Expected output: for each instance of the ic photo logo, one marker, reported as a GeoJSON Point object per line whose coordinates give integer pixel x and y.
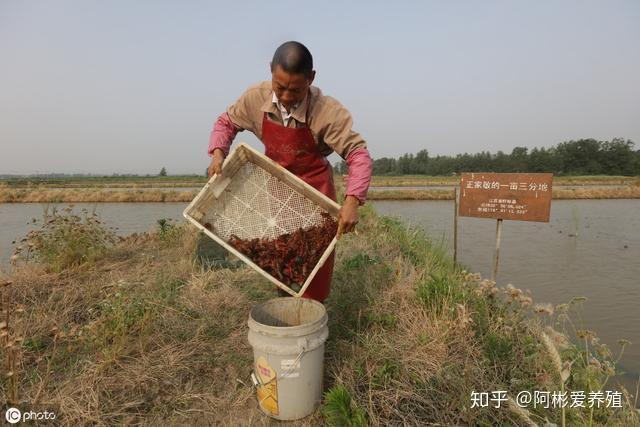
{"type": "Point", "coordinates": [13, 415]}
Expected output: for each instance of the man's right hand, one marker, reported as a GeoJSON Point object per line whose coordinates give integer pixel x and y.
{"type": "Point", "coordinates": [217, 159]}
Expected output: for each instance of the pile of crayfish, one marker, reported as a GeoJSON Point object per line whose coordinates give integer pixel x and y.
{"type": "Point", "coordinates": [289, 257]}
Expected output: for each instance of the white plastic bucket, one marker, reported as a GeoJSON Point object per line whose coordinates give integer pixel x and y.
{"type": "Point", "coordinates": [288, 336]}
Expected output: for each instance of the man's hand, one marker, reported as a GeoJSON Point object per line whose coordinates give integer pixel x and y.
{"type": "Point", "coordinates": [215, 167]}
{"type": "Point", "coordinates": [348, 216]}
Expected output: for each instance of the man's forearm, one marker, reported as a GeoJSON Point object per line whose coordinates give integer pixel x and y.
{"type": "Point", "coordinates": [360, 167]}
{"type": "Point", "coordinates": [222, 135]}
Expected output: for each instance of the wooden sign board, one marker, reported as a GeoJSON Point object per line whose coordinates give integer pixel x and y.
{"type": "Point", "coordinates": [519, 196]}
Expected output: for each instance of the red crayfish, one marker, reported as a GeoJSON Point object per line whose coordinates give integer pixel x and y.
{"type": "Point", "coordinates": [289, 257]}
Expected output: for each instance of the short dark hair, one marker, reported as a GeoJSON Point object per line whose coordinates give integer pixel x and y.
{"type": "Point", "coordinates": [293, 57]}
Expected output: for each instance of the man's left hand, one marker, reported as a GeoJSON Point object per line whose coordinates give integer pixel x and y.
{"type": "Point", "coordinates": [348, 216]}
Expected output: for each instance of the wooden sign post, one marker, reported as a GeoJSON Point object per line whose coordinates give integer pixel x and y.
{"type": "Point", "coordinates": [455, 225]}
{"type": "Point", "coordinates": [514, 196]}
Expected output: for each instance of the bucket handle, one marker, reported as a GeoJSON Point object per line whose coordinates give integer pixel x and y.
{"type": "Point", "coordinates": [303, 348]}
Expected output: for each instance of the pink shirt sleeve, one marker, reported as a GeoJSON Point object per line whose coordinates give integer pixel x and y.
{"type": "Point", "coordinates": [222, 134]}
{"type": "Point", "coordinates": [360, 166]}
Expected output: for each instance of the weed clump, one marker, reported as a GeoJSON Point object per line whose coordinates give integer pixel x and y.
{"type": "Point", "coordinates": [168, 232]}
{"type": "Point", "coordinates": [66, 239]}
{"type": "Point", "coordinates": [340, 409]}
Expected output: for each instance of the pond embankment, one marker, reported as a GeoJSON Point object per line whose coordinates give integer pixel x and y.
{"type": "Point", "coordinates": [382, 188]}
{"type": "Point", "coordinates": [145, 331]}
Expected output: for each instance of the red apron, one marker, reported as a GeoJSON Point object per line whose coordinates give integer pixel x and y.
{"type": "Point", "coordinates": [295, 149]}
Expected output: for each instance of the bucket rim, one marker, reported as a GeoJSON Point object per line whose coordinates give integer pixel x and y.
{"type": "Point", "coordinates": [317, 323]}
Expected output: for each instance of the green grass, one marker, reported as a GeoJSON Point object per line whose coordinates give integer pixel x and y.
{"type": "Point", "coordinates": [339, 409]}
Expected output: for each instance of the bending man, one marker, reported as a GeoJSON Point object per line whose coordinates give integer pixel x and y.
{"type": "Point", "coordinates": [299, 127]}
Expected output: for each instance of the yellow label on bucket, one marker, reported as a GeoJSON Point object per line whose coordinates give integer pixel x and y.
{"type": "Point", "coordinates": [268, 388]}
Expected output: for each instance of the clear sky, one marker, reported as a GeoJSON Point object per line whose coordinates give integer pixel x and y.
{"type": "Point", "coordinates": [92, 86]}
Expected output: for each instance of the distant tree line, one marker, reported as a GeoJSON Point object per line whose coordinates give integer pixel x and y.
{"type": "Point", "coordinates": [581, 157]}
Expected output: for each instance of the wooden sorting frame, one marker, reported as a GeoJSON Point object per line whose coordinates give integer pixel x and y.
{"type": "Point", "coordinates": [213, 189]}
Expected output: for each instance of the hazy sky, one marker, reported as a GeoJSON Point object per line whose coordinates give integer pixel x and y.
{"type": "Point", "coordinates": [132, 86]}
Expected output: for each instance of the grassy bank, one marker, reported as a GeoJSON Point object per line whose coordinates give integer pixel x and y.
{"type": "Point", "coordinates": [167, 189]}
{"type": "Point", "coordinates": [410, 195]}
{"type": "Point", "coordinates": [106, 181]}
{"type": "Point", "coordinates": [198, 181]}
{"type": "Point", "coordinates": [78, 195]}
{"type": "Point", "coordinates": [627, 192]}
{"type": "Point", "coordinates": [423, 180]}
{"type": "Point", "coordinates": [94, 195]}
{"type": "Point", "coordinates": [140, 331]}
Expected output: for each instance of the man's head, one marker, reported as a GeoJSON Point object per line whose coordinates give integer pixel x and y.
{"type": "Point", "coordinates": [291, 73]}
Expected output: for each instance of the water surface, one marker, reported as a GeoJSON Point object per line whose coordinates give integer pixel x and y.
{"type": "Point", "coordinates": [589, 248]}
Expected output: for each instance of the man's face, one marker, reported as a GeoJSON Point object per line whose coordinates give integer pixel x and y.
{"type": "Point", "coordinates": [290, 89]}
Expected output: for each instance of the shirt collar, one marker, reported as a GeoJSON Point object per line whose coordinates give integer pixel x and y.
{"type": "Point", "coordinates": [283, 110]}
{"type": "Point", "coordinates": [299, 112]}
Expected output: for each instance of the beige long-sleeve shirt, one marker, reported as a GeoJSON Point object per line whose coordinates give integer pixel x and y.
{"type": "Point", "coordinates": [330, 122]}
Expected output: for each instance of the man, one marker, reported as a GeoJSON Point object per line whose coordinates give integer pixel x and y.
{"type": "Point", "coordinates": [299, 127]}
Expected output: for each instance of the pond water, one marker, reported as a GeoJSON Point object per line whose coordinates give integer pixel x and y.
{"type": "Point", "coordinates": [589, 248]}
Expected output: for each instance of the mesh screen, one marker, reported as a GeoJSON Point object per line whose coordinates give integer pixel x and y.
{"type": "Point", "coordinates": [258, 205]}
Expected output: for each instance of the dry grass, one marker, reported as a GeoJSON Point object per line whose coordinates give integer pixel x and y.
{"type": "Point", "coordinates": [137, 340]}
{"type": "Point", "coordinates": [193, 181]}
{"type": "Point", "coordinates": [629, 192]}
{"type": "Point", "coordinates": [88, 195]}
{"type": "Point", "coordinates": [596, 180]}
{"type": "Point", "coordinates": [106, 182]}
{"type": "Point", "coordinates": [410, 195]}
{"type": "Point", "coordinates": [413, 180]}
{"type": "Point", "coordinates": [141, 191]}
{"type": "Point", "coordinates": [147, 336]}
{"type": "Point", "coordinates": [422, 180]}
{"type": "Point", "coordinates": [11, 195]}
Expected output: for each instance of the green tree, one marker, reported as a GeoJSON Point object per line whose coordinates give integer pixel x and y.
{"type": "Point", "coordinates": [581, 157]}
{"type": "Point", "coordinates": [519, 159]}
{"type": "Point", "coordinates": [542, 160]}
{"type": "Point", "coordinates": [618, 157]}
{"type": "Point", "coordinates": [405, 164]}
{"type": "Point", "coordinates": [384, 166]}
{"type": "Point", "coordinates": [163, 171]}
{"type": "Point", "coordinates": [422, 162]}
